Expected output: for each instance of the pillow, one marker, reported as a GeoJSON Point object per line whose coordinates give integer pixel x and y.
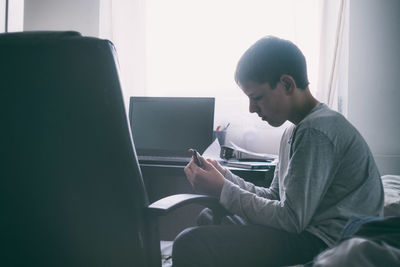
{"type": "Point", "coordinates": [391, 187]}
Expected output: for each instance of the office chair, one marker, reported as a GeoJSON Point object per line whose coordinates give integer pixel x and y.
{"type": "Point", "coordinates": [72, 192]}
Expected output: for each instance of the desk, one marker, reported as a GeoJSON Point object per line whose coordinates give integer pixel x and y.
{"type": "Point", "coordinates": [165, 180]}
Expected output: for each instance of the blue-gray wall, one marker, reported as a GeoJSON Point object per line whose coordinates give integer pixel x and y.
{"type": "Point", "coordinates": [78, 15]}
{"type": "Point", "coordinates": [374, 75]}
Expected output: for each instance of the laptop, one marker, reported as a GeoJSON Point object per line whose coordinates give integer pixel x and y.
{"type": "Point", "coordinates": [164, 128]}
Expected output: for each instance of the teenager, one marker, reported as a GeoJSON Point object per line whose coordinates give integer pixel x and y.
{"type": "Point", "coordinates": [326, 174]}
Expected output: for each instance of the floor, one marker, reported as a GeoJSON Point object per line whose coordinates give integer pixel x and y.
{"type": "Point", "coordinates": [166, 252]}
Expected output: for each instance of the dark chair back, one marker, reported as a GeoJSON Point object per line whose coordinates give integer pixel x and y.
{"type": "Point", "coordinates": [72, 191]}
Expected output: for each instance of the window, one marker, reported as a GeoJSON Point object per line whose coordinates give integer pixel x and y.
{"type": "Point", "coordinates": [190, 48]}
{"type": "Point", "coordinates": [13, 11]}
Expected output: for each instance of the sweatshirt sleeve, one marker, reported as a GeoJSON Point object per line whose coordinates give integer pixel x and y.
{"type": "Point", "coordinates": [310, 171]}
{"type": "Point", "coordinates": [271, 193]}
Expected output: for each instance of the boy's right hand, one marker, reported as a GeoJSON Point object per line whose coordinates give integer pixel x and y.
{"type": "Point", "coordinates": [206, 179]}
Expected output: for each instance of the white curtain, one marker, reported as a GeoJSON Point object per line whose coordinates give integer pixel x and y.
{"type": "Point", "coordinates": [123, 22]}
{"type": "Point", "coordinates": [2, 15]}
{"type": "Point", "coordinates": [190, 48]}
{"type": "Point", "coordinates": [334, 47]}
{"type": "Point", "coordinates": [15, 15]}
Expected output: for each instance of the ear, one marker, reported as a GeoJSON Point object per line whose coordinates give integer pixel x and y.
{"type": "Point", "coordinates": [288, 83]}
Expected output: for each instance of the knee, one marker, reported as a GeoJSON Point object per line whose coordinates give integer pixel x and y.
{"type": "Point", "coordinates": [184, 243]}
{"type": "Point", "coordinates": [187, 248]}
{"type": "Point", "coordinates": [205, 217]}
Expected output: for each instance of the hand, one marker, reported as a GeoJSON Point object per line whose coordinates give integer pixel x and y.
{"type": "Point", "coordinates": [206, 179]}
{"type": "Point", "coordinates": [215, 163]}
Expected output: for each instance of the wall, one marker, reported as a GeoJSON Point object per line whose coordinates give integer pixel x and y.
{"type": "Point", "coordinates": [82, 16]}
{"type": "Point", "coordinates": [374, 64]}
{"type": "Point", "coordinates": [374, 69]}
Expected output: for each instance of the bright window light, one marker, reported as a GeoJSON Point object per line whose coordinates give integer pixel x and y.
{"type": "Point", "coordinates": [192, 48]}
{"type": "Point", "coordinates": [15, 15]}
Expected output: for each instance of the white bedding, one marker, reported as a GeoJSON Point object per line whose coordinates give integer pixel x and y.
{"type": "Point", "coordinates": [391, 186]}
{"type": "Point", "coordinates": [359, 252]}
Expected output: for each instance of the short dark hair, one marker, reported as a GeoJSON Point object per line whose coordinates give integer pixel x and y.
{"type": "Point", "coordinates": [268, 59]}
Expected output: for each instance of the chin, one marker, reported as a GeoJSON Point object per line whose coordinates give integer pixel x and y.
{"type": "Point", "coordinates": [275, 123]}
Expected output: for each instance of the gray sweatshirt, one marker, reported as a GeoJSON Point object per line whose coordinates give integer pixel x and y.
{"type": "Point", "coordinates": [326, 173]}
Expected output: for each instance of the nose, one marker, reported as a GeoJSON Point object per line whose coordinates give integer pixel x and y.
{"type": "Point", "coordinates": [253, 108]}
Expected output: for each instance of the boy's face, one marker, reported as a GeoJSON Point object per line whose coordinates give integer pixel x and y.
{"type": "Point", "coordinates": [270, 104]}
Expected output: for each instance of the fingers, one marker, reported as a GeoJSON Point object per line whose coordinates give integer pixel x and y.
{"type": "Point", "coordinates": [188, 169]}
{"type": "Point", "coordinates": [205, 162]}
{"type": "Point", "coordinates": [190, 174]}
{"type": "Point", "coordinates": [213, 162]}
{"type": "Point", "coordinates": [192, 169]}
{"type": "Point", "coordinates": [193, 172]}
{"type": "Point", "coordinates": [217, 166]}
{"type": "Point", "coordinates": [206, 179]}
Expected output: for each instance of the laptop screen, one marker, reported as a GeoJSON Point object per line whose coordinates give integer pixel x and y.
{"type": "Point", "coordinates": [169, 126]}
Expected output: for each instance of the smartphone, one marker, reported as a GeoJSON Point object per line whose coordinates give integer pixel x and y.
{"type": "Point", "coordinates": [196, 158]}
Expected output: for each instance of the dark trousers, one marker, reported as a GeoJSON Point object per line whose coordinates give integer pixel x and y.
{"type": "Point", "coordinates": [238, 243]}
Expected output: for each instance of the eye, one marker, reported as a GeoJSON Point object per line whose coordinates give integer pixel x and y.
{"type": "Point", "coordinates": [256, 98]}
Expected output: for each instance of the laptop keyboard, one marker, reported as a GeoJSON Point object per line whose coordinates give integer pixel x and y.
{"type": "Point", "coordinates": [164, 160]}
